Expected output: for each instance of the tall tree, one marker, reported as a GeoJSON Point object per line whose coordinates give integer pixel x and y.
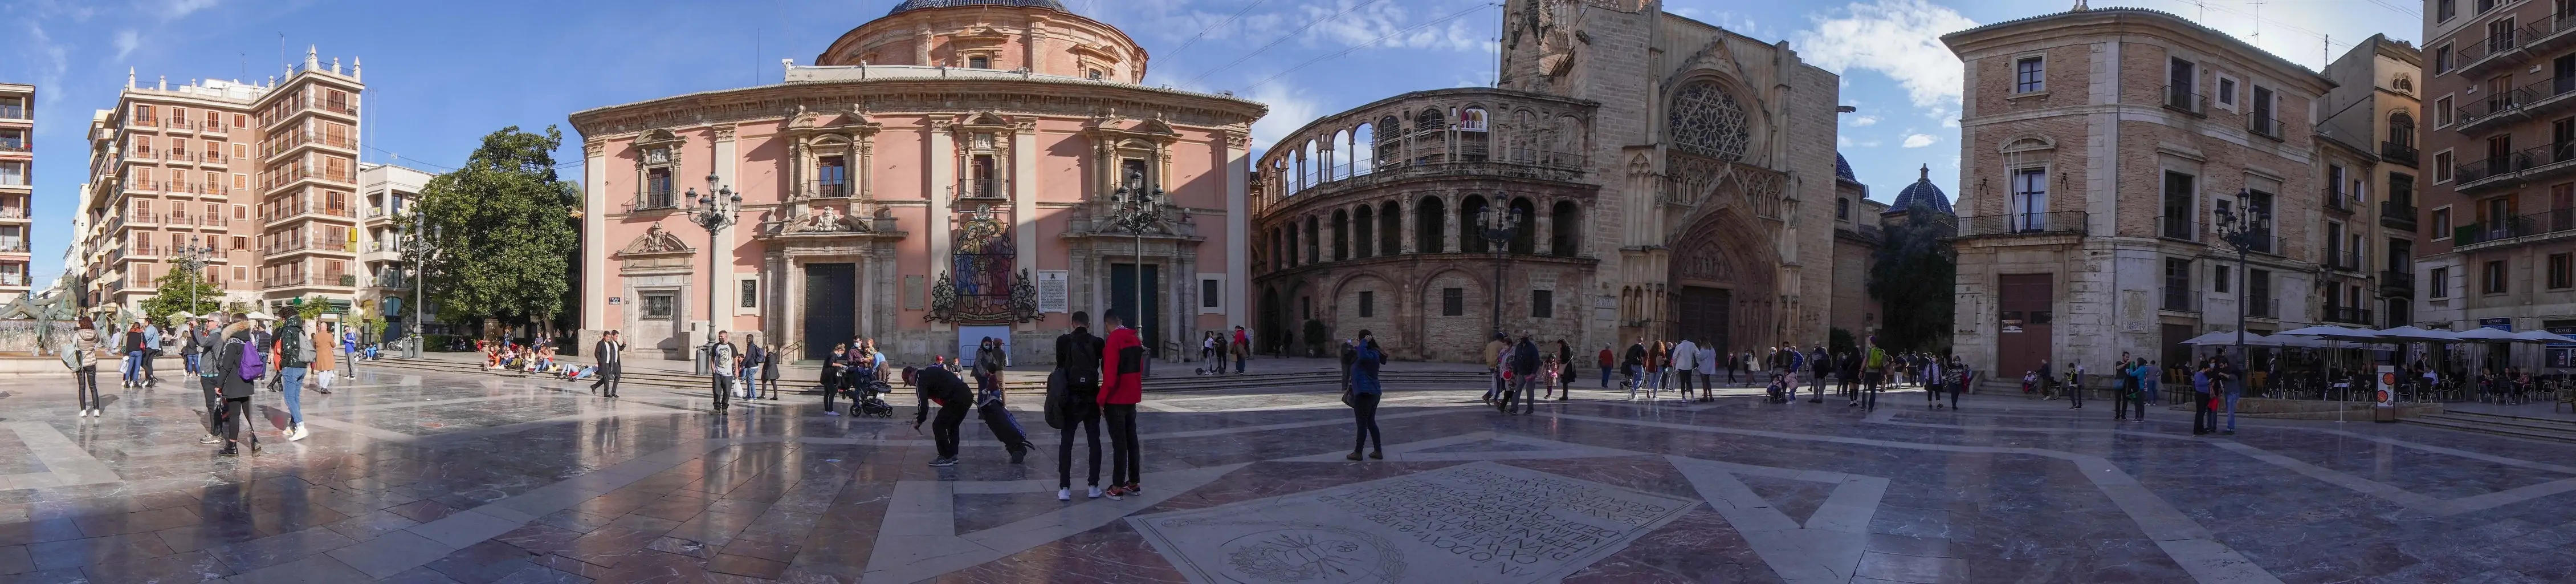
{"type": "Point", "coordinates": [182, 291]}
{"type": "Point", "coordinates": [504, 229]}
{"type": "Point", "coordinates": [1911, 280]}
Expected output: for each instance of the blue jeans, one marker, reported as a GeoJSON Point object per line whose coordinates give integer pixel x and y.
{"type": "Point", "coordinates": [750, 385]}
{"type": "Point", "coordinates": [292, 378]}
{"type": "Point", "coordinates": [133, 366]}
{"type": "Point", "coordinates": [2231, 407]}
{"type": "Point", "coordinates": [1605, 378]}
{"type": "Point", "coordinates": [191, 359]}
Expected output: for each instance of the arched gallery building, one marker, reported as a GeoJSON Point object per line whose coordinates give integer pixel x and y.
{"type": "Point", "coordinates": [1673, 180]}
{"type": "Point", "coordinates": [938, 175]}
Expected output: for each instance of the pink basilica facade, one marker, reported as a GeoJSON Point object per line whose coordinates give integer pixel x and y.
{"type": "Point", "coordinates": [940, 175]}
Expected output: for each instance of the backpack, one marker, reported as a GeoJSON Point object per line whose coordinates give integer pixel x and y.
{"type": "Point", "coordinates": [294, 348]}
{"type": "Point", "coordinates": [1080, 362]}
{"type": "Point", "coordinates": [249, 365]}
{"type": "Point", "coordinates": [1055, 396]}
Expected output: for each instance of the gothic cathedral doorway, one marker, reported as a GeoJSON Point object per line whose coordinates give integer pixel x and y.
{"type": "Point", "coordinates": [831, 307]}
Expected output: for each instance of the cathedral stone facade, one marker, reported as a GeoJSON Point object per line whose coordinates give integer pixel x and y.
{"type": "Point", "coordinates": [1671, 180]}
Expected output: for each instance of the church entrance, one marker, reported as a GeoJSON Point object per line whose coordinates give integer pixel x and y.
{"type": "Point", "coordinates": [1703, 315]}
{"type": "Point", "coordinates": [831, 307]}
{"type": "Point", "coordinates": [1720, 287]}
{"type": "Point", "coordinates": [2022, 301]}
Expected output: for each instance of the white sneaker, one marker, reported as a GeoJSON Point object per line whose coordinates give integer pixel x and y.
{"type": "Point", "coordinates": [1095, 491]}
{"type": "Point", "coordinates": [1064, 494]}
{"type": "Point", "coordinates": [296, 434]}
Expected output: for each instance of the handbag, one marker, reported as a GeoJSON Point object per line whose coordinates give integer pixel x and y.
{"type": "Point", "coordinates": [1346, 396]}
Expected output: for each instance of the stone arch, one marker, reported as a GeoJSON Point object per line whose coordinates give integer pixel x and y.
{"type": "Point", "coordinates": [1364, 231]}
{"type": "Point", "coordinates": [1271, 318]}
{"type": "Point", "coordinates": [1363, 149]}
{"type": "Point", "coordinates": [1722, 283]}
{"type": "Point", "coordinates": [2401, 128]}
{"type": "Point", "coordinates": [1431, 225]}
{"type": "Point", "coordinates": [1390, 228]}
{"type": "Point", "coordinates": [1525, 239]}
{"type": "Point", "coordinates": [1341, 234]}
{"type": "Point", "coordinates": [1337, 158]}
{"type": "Point", "coordinates": [1565, 237]}
{"type": "Point", "coordinates": [1471, 236]}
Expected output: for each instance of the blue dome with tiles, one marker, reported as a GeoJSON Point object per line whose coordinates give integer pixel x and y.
{"type": "Point", "coordinates": [909, 5]}
{"type": "Point", "coordinates": [1842, 169]}
{"type": "Point", "coordinates": [1923, 193]}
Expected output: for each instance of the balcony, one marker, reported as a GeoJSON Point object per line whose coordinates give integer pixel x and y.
{"type": "Point", "coordinates": [830, 189]}
{"type": "Point", "coordinates": [653, 200]}
{"type": "Point", "coordinates": [2397, 153]}
{"type": "Point", "coordinates": [2540, 98]}
{"type": "Point", "coordinates": [2023, 224]}
{"type": "Point", "coordinates": [2524, 166]}
{"type": "Point", "coordinates": [2262, 307]}
{"type": "Point", "coordinates": [2545, 223]}
{"type": "Point", "coordinates": [2337, 201]}
{"type": "Point", "coordinates": [2508, 48]}
{"type": "Point", "coordinates": [2396, 284]}
{"type": "Point", "coordinates": [282, 144]}
{"type": "Point", "coordinates": [272, 213]}
{"type": "Point", "coordinates": [13, 246]}
{"type": "Point", "coordinates": [2348, 315]}
{"type": "Point", "coordinates": [2344, 260]}
{"type": "Point", "coordinates": [1518, 163]}
{"type": "Point", "coordinates": [14, 279]}
{"type": "Point", "coordinates": [2183, 100]}
{"type": "Point", "coordinates": [2169, 227]}
{"type": "Point", "coordinates": [13, 112]}
{"type": "Point", "coordinates": [2264, 126]}
{"type": "Point", "coordinates": [13, 213]}
{"type": "Point", "coordinates": [20, 146]}
{"type": "Point", "coordinates": [2397, 215]}
{"type": "Point", "coordinates": [2179, 299]}
{"type": "Point", "coordinates": [982, 190]}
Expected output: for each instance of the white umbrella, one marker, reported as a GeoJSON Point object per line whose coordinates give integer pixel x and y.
{"type": "Point", "coordinates": [261, 316]}
{"type": "Point", "coordinates": [2412, 333]}
{"type": "Point", "coordinates": [2542, 336]}
{"type": "Point", "coordinates": [2327, 331]}
{"type": "Point", "coordinates": [2484, 334]}
{"type": "Point", "coordinates": [2226, 338]}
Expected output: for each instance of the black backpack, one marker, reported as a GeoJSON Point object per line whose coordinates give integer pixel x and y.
{"type": "Point", "coordinates": [1080, 361]}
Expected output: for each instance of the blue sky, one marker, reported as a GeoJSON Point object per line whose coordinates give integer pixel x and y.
{"type": "Point", "coordinates": [442, 74]}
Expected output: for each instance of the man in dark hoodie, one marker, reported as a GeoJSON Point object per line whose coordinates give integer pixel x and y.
{"type": "Point", "coordinates": [236, 390]}
{"type": "Point", "coordinates": [1077, 361]}
{"type": "Point", "coordinates": [937, 384]}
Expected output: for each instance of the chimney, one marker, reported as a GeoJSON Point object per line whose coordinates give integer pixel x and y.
{"type": "Point", "coordinates": [129, 77]}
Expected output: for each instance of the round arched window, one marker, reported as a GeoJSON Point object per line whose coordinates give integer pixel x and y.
{"type": "Point", "coordinates": [1704, 119]}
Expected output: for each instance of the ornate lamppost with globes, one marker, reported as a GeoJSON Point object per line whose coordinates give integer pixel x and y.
{"type": "Point", "coordinates": [2244, 233]}
{"type": "Point", "coordinates": [1499, 230]}
{"type": "Point", "coordinates": [1137, 208]}
{"type": "Point", "coordinates": [192, 257]}
{"type": "Point", "coordinates": [418, 250]}
{"type": "Point", "coordinates": [720, 207]}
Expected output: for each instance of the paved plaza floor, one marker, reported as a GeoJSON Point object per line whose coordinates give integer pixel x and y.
{"type": "Point", "coordinates": [438, 477]}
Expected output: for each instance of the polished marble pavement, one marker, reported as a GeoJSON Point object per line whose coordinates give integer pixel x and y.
{"type": "Point", "coordinates": [440, 477]}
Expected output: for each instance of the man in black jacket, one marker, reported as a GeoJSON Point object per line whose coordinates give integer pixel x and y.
{"type": "Point", "coordinates": [937, 384]}
{"type": "Point", "coordinates": [611, 364]}
{"type": "Point", "coordinates": [236, 391]}
{"type": "Point", "coordinates": [1077, 361]}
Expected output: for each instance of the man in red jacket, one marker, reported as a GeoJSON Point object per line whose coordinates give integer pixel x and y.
{"type": "Point", "coordinates": [1122, 384]}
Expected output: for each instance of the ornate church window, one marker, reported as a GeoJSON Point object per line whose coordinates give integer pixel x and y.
{"type": "Point", "coordinates": [1706, 120]}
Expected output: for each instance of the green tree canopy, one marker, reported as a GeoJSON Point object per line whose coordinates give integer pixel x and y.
{"type": "Point", "coordinates": [1912, 282]}
{"type": "Point", "coordinates": [503, 230]}
{"type": "Point", "coordinates": [181, 291]}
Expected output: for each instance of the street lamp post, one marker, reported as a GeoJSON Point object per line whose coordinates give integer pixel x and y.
{"type": "Point", "coordinates": [1499, 229]}
{"type": "Point", "coordinates": [419, 251]}
{"type": "Point", "coordinates": [719, 208]}
{"type": "Point", "coordinates": [1137, 208]}
{"type": "Point", "coordinates": [2242, 232]}
{"type": "Point", "coordinates": [192, 257]}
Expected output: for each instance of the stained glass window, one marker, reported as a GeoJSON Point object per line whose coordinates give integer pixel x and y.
{"type": "Point", "coordinates": [1706, 120]}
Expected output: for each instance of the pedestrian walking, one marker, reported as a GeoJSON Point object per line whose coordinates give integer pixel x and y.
{"type": "Point", "coordinates": [723, 361]}
{"type": "Point", "coordinates": [1605, 362]}
{"type": "Point", "coordinates": [2229, 385]}
{"type": "Point", "coordinates": [608, 353]}
{"type": "Point", "coordinates": [1495, 350]}
{"type": "Point", "coordinates": [1242, 347]}
{"type": "Point", "coordinates": [2075, 384]}
{"type": "Point", "coordinates": [2140, 375]}
{"type": "Point", "coordinates": [1707, 362]}
{"type": "Point", "coordinates": [1821, 365]}
{"type": "Point", "coordinates": [1565, 374]}
{"type": "Point", "coordinates": [130, 348]}
{"type": "Point", "coordinates": [81, 356]}
{"type": "Point", "coordinates": [188, 349]}
{"type": "Point", "coordinates": [1525, 364]}
{"type": "Point", "coordinates": [1685, 362]}
{"type": "Point", "coordinates": [1364, 392]}
{"type": "Point", "coordinates": [988, 366]}
{"type": "Point", "coordinates": [748, 375]}
{"type": "Point", "coordinates": [294, 357]}
{"type": "Point", "coordinates": [1077, 388]}
{"type": "Point", "coordinates": [325, 369]}
{"type": "Point", "coordinates": [2203, 421]}
{"type": "Point", "coordinates": [238, 371]}
{"type": "Point", "coordinates": [151, 348]}
{"type": "Point", "coordinates": [1122, 386]}
{"type": "Point", "coordinates": [1934, 382]}
{"type": "Point", "coordinates": [769, 371]}
{"type": "Point", "coordinates": [1873, 371]}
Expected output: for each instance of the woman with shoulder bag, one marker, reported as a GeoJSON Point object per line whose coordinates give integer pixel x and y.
{"type": "Point", "coordinates": [1363, 395]}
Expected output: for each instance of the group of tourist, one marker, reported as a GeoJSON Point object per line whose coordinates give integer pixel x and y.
{"type": "Point", "coordinates": [231, 358]}
{"type": "Point", "coordinates": [1096, 381]}
{"type": "Point", "coordinates": [1215, 349]}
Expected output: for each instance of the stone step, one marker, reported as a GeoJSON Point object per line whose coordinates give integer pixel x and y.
{"type": "Point", "coordinates": [2444, 421]}
{"type": "Point", "coordinates": [2509, 421]}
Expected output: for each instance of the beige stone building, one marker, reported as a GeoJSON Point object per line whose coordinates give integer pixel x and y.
{"type": "Point", "coordinates": [2366, 143]}
{"type": "Point", "coordinates": [257, 176]}
{"type": "Point", "coordinates": [2097, 148]}
{"type": "Point", "coordinates": [1674, 180]}
{"type": "Point", "coordinates": [17, 185]}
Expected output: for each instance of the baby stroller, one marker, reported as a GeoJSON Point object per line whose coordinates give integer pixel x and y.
{"type": "Point", "coordinates": [871, 400]}
{"type": "Point", "coordinates": [1778, 391]}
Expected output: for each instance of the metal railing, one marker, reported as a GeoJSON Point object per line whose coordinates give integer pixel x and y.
{"type": "Point", "coordinates": [2337, 200]}
{"type": "Point", "coordinates": [2397, 153]}
{"type": "Point", "coordinates": [13, 212]}
{"type": "Point", "coordinates": [2476, 54]}
{"type": "Point", "coordinates": [832, 189]}
{"type": "Point", "coordinates": [653, 199]}
{"type": "Point", "coordinates": [2183, 100]}
{"type": "Point", "coordinates": [2397, 283]}
{"type": "Point", "coordinates": [2268, 127]}
{"type": "Point", "coordinates": [2348, 260]}
{"type": "Point", "coordinates": [2169, 227]}
{"type": "Point", "coordinates": [18, 146]}
{"type": "Point", "coordinates": [2544, 222]}
{"type": "Point", "coordinates": [983, 189]}
{"type": "Point", "coordinates": [2055, 222]}
{"type": "Point", "coordinates": [1526, 163]}
{"type": "Point", "coordinates": [2179, 299]}
{"type": "Point", "coordinates": [2397, 214]}
{"type": "Point", "coordinates": [2261, 307]}
{"type": "Point", "coordinates": [2348, 315]}
{"type": "Point", "coordinates": [13, 112]}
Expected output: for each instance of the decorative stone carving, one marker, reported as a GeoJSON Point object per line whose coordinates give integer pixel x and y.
{"type": "Point", "coordinates": [1707, 120]}
{"type": "Point", "coordinates": [655, 241]}
{"type": "Point", "coordinates": [822, 220]}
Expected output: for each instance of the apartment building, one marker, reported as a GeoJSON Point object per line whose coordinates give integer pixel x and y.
{"type": "Point", "coordinates": [2099, 151]}
{"type": "Point", "coordinates": [17, 185]}
{"type": "Point", "coordinates": [257, 180]}
{"type": "Point", "coordinates": [2369, 165]}
{"type": "Point", "coordinates": [387, 192]}
{"type": "Point", "coordinates": [2500, 249]}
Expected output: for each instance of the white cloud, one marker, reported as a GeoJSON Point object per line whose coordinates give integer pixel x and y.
{"type": "Point", "coordinates": [1863, 120]}
{"type": "Point", "coordinates": [180, 8]}
{"type": "Point", "coordinates": [1898, 38]}
{"type": "Point", "coordinates": [1919, 140]}
{"type": "Point", "coordinates": [126, 41]}
{"type": "Point", "coordinates": [1381, 19]}
{"type": "Point", "coordinates": [1289, 110]}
